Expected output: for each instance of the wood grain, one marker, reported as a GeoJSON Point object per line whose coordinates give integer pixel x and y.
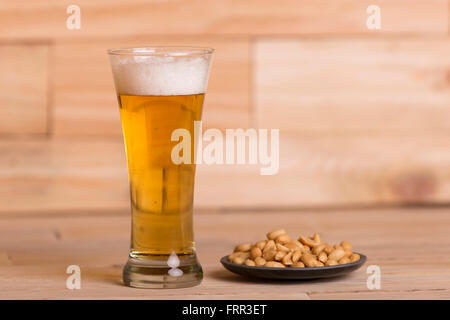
{"type": "Point", "coordinates": [86, 103]}
{"type": "Point", "coordinates": [52, 174]}
{"type": "Point", "coordinates": [409, 245]}
{"type": "Point", "coordinates": [330, 86]}
{"type": "Point", "coordinates": [24, 89]}
{"type": "Point", "coordinates": [47, 19]}
{"type": "Point", "coordinates": [71, 174]}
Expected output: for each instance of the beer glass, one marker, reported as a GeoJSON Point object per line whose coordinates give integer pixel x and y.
{"type": "Point", "coordinates": [160, 90]}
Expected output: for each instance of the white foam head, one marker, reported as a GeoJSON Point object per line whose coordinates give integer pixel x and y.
{"type": "Point", "coordinates": [160, 75]}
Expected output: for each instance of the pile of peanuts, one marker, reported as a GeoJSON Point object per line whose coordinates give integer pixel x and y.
{"type": "Point", "coordinates": [280, 251]}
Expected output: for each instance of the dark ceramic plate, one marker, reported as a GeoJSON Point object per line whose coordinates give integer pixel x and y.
{"type": "Point", "coordinates": [293, 273]}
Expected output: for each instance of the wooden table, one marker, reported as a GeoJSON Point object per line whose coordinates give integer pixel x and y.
{"type": "Point", "coordinates": [410, 245]}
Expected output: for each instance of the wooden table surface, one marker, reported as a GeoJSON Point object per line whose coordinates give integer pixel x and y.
{"type": "Point", "coordinates": [411, 246]}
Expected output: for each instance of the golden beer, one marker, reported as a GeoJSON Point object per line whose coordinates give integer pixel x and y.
{"type": "Point", "coordinates": [161, 191]}
{"type": "Point", "coordinates": [160, 90]}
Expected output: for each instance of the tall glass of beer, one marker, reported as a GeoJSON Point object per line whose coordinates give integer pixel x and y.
{"type": "Point", "coordinates": [160, 90]}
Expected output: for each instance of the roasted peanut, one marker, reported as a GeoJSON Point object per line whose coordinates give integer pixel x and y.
{"type": "Point", "coordinates": [280, 255]}
{"type": "Point", "coordinates": [348, 253]}
{"type": "Point", "coordinates": [239, 260]}
{"type": "Point", "coordinates": [270, 245]}
{"type": "Point", "coordinates": [281, 251]}
{"type": "Point", "coordinates": [322, 257]}
{"type": "Point", "coordinates": [328, 248]}
{"type": "Point", "coordinates": [318, 249]}
{"type": "Point", "coordinates": [298, 264]}
{"type": "Point", "coordinates": [280, 247]}
{"type": "Point", "coordinates": [336, 254]}
{"type": "Point", "coordinates": [243, 247]}
{"type": "Point", "coordinates": [274, 264]}
{"type": "Point", "coordinates": [284, 238]}
{"type": "Point", "coordinates": [296, 255]}
{"type": "Point", "coordinates": [293, 245]}
{"type": "Point", "coordinates": [308, 241]}
{"type": "Point", "coordinates": [354, 257]}
{"type": "Point", "coordinates": [276, 233]}
{"type": "Point", "coordinates": [331, 263]}
{"type": "Point", "coordinates": [250, 263]}
{"type": "Point", "coordinates": [287, 259]}
{"type": "Point", "coordinates": [255, 253]}
{"type": "Point", "coordinates": [309, 260]}
{"type": "Point", "coordinates": [243, 255]}
{"type": "Point", "coordinates": [260, 261]}
{"type": "Point", "coordinates": [344, 260]}
{"type": "Point", "coordinates": [316, 238]}
{"type": "Point", "coordinates": [261, 244]}
{"type": "Point", "coordinates": [346, 245]}
{"type": "Point", "coordinates": [269, 255]}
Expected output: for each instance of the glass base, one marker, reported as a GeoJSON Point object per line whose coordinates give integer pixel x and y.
{"type": "Point", "coordinates": [163, 272]}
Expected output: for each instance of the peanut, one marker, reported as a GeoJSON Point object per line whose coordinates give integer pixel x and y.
{"type": "Point", "coordinates": [322, 257]}
{"type": "Point", "coordinates": [261, 244]}
{"type": "Point", "coordinates": [298, 264]}
{"type": "Point", "coordinates": [280, 255]}
{"type": "Point", "coordinates": [280, 247]}
{"type": "Point", "coordinates": [328, 248]}
{"type": "Point", "coordinates": [293, 245]}
{"type": "Point", "coordinates": [348, 253]}
{"type": "Point", "coordinates": [296, 256]}
{"type": "Point", "coordinates": [287, 259]}
{"type": "Point", "coordinates": [255, 253]}
{"type": "Point", "coordinates": [344, 260]}
{"type": "Point", "coordinates": [270, 245]}
{"type": "Point", "coordinates": [274, 264]}
{"type": "Point", "coordinates": [331, 263]}
{"type": "Point", "coordinates": [238, 260]}
{"type": "Point", "coordinates": [243, 247]}
{"type": "Point", "coordinates": [250, 263]}
{"type": "Point", "coordinates": [284, 238]}
{"type": "Point", "coordinates": [318, 249]}
{"type": "Point", "coordinates": [269, 255]}
{"type": "Point", "coordinates": [308, 241]}
{"type": "Point", "coordinates": [243, 255]}
{"type": "Point", "coordinates": [274, 234]}
{"type": "Point", "coordinates": [309, 260]}
{"type": "Point", "coordinates": [336, 254]}
{"type": "Point", "coordinates": [354, 257]}
{"type": "Point", "coordinates": [280, 251]}
{"type": "Point", "coordinates": [346, 245]}
{"type": "Point", "coordinates": [260, 261]}
{"type": "Point", "coordinates": [316, 238]}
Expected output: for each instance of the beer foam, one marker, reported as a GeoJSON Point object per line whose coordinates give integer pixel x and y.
{"type": "Point", "coordinates": [160, 75]}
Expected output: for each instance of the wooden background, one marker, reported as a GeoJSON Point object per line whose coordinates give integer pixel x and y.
{"type": "Point", "coordinates": [364, 115]}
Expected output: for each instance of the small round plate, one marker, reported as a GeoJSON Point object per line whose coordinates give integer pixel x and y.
{"type": "Point", "coordinates": [293, 273]}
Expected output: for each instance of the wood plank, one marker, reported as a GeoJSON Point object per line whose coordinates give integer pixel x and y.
{"type": "Point", "coordinates": [52, 174]}
{"type": "Point", "coordinates": [335, 171]}
{"type": "Point", "coordinates": [47, 19]}
{"type": "Point", "coordinates": [86, 103]}
{"type": "Point", "coordinates": [23, 89]}
{"type": "Point", "coordinates": [409, 245]}
{"type": "Point", "coordinates": [70, 174]}
{"type": "Point", "coordinates": [329, 86]}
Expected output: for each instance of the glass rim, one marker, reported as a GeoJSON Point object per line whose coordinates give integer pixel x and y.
{"type": "Point", "coordinates": [175, 51]}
